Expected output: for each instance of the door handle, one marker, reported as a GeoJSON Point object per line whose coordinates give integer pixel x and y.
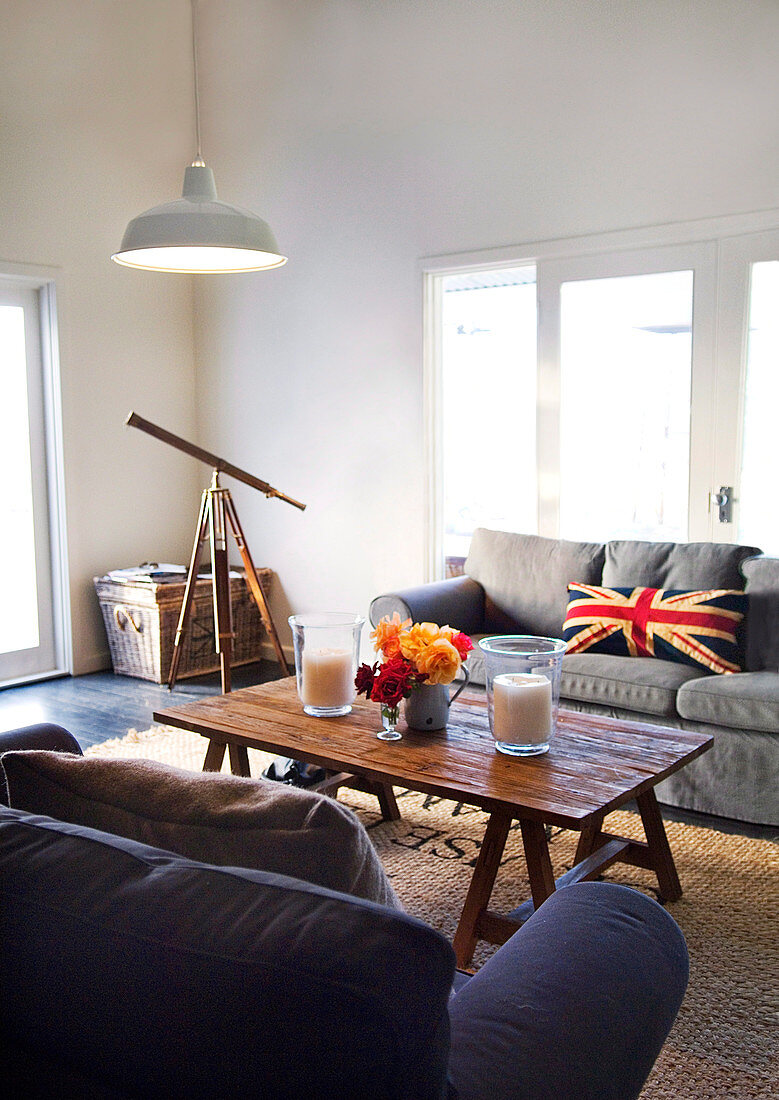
{"type": "Point", "coordinates": [724, 501]}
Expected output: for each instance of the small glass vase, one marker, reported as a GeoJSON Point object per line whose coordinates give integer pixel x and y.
{"type": "Point", "coordinates": [389, 721]}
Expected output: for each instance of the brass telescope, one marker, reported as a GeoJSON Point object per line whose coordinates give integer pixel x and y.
{"type": "Point", "coordinates": [217, 516]}
{"type": "Point", "coordinates": [212, 460]}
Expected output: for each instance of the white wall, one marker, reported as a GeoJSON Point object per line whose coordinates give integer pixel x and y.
{"type": "Point", "coordinates": [371, 135]}
{"type": "Point", "coordinates": [96, 126]}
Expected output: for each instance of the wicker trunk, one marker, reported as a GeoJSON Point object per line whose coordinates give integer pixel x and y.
{"type": "Point", "coordinates": [141, 616]}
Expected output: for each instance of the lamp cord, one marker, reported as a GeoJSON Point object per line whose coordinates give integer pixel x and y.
{"type": "Point", "coordinates": [199, 159]}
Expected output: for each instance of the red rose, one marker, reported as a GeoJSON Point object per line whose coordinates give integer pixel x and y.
{"type": "Point", "coordinates": [364, 679]}
{"type": "Point", "coordinates": [393, 682]}
{"type": "Point", "coordinates": [463, 644]}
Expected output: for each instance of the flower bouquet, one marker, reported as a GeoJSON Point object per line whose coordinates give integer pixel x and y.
{"type": "Point", "coordinates": [412, 654]}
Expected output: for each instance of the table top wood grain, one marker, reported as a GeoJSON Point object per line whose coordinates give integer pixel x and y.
{"type": "Point", "coordinates": [594, 764]}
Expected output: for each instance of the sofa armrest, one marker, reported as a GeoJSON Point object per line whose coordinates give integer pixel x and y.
{"type": "Point", "coordinates": [45, 735]}
{"type": "Point", "coordinates": [576, 1005]}
{"type": "Point", "coordinates": [457, 602]}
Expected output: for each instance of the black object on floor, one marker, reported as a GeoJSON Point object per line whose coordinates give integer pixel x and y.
{"type": "Point", "coordinates": [295, 773]}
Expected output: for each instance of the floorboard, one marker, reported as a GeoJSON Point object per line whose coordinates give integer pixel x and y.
{"type": "Point", "coordinates": [102, 705]}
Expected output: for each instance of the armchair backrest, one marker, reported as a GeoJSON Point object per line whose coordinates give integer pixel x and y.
{"type": "Point", "coordinates": [147, 974]}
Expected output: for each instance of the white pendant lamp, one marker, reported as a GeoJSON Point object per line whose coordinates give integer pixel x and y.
{"type": "Point", "coordinates": [198, 234]}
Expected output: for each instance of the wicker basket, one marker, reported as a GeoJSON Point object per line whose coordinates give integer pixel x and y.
{"type": "Point", "coordinates": [141, 617]}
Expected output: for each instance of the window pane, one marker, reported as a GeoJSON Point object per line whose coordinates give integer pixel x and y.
{"type": "Point", "coordinates": [625, 407]}
{"type": "Point", "coordinates": [758, 523]}
{"type": "Point", "coordinates": [489, 404]}
{"type": "Point", "coordinates": [18, 588]}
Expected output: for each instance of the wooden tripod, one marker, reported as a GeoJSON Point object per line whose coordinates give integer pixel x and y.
{"type": "Point", "coordinates": [217, 514]}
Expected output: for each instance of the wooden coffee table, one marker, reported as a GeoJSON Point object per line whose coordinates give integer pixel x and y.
{"type": "Point", "coordinates": [594, 766]}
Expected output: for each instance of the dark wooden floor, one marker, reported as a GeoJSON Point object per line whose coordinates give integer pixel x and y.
{"type": "Point", "coordinates": [103, 705]}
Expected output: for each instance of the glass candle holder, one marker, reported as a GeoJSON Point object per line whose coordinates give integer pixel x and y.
{"type": "Point", "coordinates": [523, 691]}
{"type": "Point", "coordinates": [327, 648]}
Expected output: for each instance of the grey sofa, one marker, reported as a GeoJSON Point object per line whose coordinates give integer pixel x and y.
{"type": "Point", "coordinates": [517, 584]}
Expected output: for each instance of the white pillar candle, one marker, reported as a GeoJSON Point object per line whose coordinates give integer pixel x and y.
{"type": "Point", "coordinates": [328, 678]}
{"type": "Point", "coordinates": [522, 708]}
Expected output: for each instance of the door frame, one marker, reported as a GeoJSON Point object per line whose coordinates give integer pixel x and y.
{"type": "Point", "coordinates": [736, 257]}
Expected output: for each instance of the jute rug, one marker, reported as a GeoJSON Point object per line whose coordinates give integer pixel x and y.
{"type": "Point", "coordinates": [725, 1042]}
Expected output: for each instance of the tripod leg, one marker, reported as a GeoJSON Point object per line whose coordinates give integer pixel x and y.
{"type": "Point", "coordinates": [254, 585]}
{"type": "Point", "coordinates": [189, 589]}
{"type": "Point", "coordinates": [220, 579]}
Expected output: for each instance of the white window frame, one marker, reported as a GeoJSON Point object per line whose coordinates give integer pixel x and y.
{"type": "Point", "coordinates": [718, 251]}
{"type": "Point", "coordinates": [48, 439]}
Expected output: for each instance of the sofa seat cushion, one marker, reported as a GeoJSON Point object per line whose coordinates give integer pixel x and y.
{"type": "Point", "coordinates": [220, 819]}
{"type": "Point", "coordinates": [642, 684]}
{"type": "Point", "coordinates": [674, 564]}
{"type": "Point", "coordinates": [525, 579]}
{"type": "Point", "coordinates": [153, 975]}
{"type": "Point", "coordinates": [746, 701]}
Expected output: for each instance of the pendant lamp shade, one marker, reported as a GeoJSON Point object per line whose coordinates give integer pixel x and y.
{"type": "Point", "coordinates": [199, 234]}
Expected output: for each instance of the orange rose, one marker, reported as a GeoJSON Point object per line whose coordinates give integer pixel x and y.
{"type": "Point", "coordinates": [385, 636]}
{"type": "Point", "coordinates": [440, 660]}
{"type": "Point", "coordinates": [417, 639]}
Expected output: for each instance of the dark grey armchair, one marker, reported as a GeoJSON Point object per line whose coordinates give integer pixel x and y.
{"type": "Point", "coordinates": [132, 972]}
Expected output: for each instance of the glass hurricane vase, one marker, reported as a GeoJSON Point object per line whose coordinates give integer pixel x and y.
{"type": "Point", "coordinates": [389, 721]}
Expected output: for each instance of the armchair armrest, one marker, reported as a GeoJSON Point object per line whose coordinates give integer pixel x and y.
{"type": "Point", "coordinates": [576, 1005]}
{"type": "Point", "coordinates": [45, 735]}
{"type": "Point", "coordinates": [457, 602]}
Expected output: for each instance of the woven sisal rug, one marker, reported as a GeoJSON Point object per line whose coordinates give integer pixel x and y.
{"type": "Point", "coordinates": [725, 1043]}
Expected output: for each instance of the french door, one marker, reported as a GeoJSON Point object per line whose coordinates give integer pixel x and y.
{"type": "Point", "coordinates": [625, 423]}
{"type": "Point", "coordinates": [654, 381]}
{"type": "Point", "coordinates": [31, 606]}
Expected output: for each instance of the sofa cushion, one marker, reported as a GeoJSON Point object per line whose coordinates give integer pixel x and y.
{"type": "Point", "coordinates": [748, 701]}
{"type": "Point", "coordinates": [525, 579]}
{"type": "Point", "coordinates": [152, 975]}
{"type": "Point", "coordinates": [641, 684]}
{"type": "Point", "coordinates": [220, 819]}
{"type": "Point", "coordinates": [762, 587]}
{"type": "Point", "coordinates": [673, 564]}
{"type": "Point", "coordinates": [693, 628]}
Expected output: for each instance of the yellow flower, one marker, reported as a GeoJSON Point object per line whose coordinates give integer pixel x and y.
{"type": "Point", "coordinates": [417, 639]}
{"type": "Point", "coordinates": [440, 660]}
{"type": "Point", "coordinates": [385, 636]}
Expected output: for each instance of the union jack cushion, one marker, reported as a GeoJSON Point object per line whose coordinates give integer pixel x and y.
{"type": "Point", "coordinates": [693, 628]}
